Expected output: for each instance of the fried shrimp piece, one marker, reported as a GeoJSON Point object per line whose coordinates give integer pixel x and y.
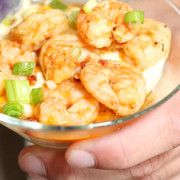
{"type": "Point", "coordinates": [10, 53]}
{"type": "Point", "coordinates": [38, 27]}
{"type": "Point", "coordinates": [150, 46]}
{"type": "Point", "coordinates": [124, 32]}
{"type": "Point", "coordinates": [95, 28]}
{"type": "Point", "coordinates": [68, 104]}
{"type": "Point", "coordinates": [120, 87]}
{"type": "Point", "coordinates": [60, 57]}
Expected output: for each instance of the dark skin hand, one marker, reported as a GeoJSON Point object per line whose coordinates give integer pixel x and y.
{"type": "Point", "coordinates": [147, 149]}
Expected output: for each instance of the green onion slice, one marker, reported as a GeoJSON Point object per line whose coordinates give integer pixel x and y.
{"type": "Point", "coordinates": [8, 20]}
{"type": "Point", "coordinates": [17, 91]}
{"type": "Point", "coordinates": [134, 17]}
{"type": "Point", "coordinates": [13, 109]}
{"type": "Point", "coordinates": [36, 95]}
{"type": "Point", "coordinates": [24, 68]}
{"type": "Point", "coordinates": [57, 4]}
{"type": "Point", "coordinates": [89, 6]}
{"type": "Point", "coordinates": [72, 18]}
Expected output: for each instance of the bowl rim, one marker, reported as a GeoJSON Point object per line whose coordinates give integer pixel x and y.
{"type": "Point", "coordinates": [30, 125]}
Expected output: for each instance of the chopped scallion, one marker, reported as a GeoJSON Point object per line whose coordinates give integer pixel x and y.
{"type": "Point", "coordinates": [8, 21]}
{"type": "Point", "coordinates": [23, 68]}
{"type": "Point", "coordinates": [36, 95]}
{"type": "Point", "coordinates": [57, 4]}
{"type": "Point", "coordinates": [13, 109]}
{"type": "Point", "coordinates": [72, 18]}
{"type": "Point", "coordinates": [134, 17]}
{"type": "Point", "coordinates": [89, 6]}
{"type": "Point", "coordinates": [17, 91]}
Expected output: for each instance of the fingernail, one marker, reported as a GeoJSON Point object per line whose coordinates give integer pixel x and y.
{"type": "Point", "coordinates": [31, 164]}
{"type": "Point", "coordinates": [80, 159]}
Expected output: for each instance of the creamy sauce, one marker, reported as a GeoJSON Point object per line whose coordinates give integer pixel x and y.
{"type": "Point", "coordinates": [28, 111]}
{"type": "Point", "coordinates": [153, 74]}
{"type": "Point", "coordinates": [112, 56]}
{"type": "Point", "coordinates": [39, 80]}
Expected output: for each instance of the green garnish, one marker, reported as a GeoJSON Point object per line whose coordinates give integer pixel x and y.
{"type": "Point", "coordinates": [57, 4]}
{"type": "Point", "coordinates": [8, 20]}
{"type": "Point", "coordinates": [24, 68]}
{"type": "Point", "coordinates": [134, 17]}
{"type": "Point", "coordinates": [89, 6]}
{"type": "Point", "coordinates": [13, 109]}
{"type": "Point", "coordinates": [36, 95]}
{"type": "Point", "coordinates": [72, 18]}
{"type": "Point", "coordinates": [17, 91]}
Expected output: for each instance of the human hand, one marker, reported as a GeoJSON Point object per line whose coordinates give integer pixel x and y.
{"type": "Point", "coordinates": [146, 149]}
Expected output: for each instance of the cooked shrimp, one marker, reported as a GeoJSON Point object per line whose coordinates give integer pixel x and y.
{"type": "Point", "coordinates": [38, 27]}
{"type": "Point", "coordinates": [68, 104]}
{"type": "Point", "coordinates": [125, 32]}
{"type": "Point", "coordinates": [106, 114]}
{"type": "Point", "coordinates": [120, 87]}
{"type": "Point", "coordinates": [151, 45]}
{"type": "Point", "coordinates": [60, 57]}
{"type": "Point", "coordinates": [95, 28]}
{"type": "Point", "coordinates": [10, 53]}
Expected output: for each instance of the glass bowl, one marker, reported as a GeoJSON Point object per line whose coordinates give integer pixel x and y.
{"type": "Point", "coordinates": [62, 136]}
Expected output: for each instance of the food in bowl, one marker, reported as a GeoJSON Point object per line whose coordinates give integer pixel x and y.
{"type": "Point", "coordinates": [79, 64]}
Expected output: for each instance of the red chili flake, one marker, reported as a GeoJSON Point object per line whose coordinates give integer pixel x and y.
{"type": "Point", "coordinates": [76, 77]}
{"type": "Point", "coordinates": [11, 66]}
{"type": "Point", "coordinates": [103, 62]}
{"type": "Point", "coordinates": [32, 79]}
{"type": "Point", "coordinates": [33, 119]}
{"type": "Point", "coordinates": [83, 63]}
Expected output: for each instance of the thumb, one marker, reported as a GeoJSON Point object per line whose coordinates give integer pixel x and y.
{"type": "Point", "coordinates": [151, 135]}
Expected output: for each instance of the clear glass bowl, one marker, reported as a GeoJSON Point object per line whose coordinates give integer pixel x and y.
{"type": "Point", "coordinates": [61, 137]}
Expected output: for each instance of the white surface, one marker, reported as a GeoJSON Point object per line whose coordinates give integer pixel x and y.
{"type": "Point", "coordinates": [153, 74]}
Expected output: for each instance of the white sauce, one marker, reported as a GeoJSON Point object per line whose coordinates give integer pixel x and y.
{"type": "Point", "coordinates": [153, 75]}
{"type": "Point", "coordinates": [51, 85]}
{"type": "Point", "coordinates": [39, 82]}
{"type": "Point", "coordinates": [28, 110]}
{"type": "Point", "coordinates": [112, 56]}
{"type": "Point", "coordinates": [4, 30]}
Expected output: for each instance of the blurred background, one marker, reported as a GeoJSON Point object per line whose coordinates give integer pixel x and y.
{"type": "Point", "coordinates": [10, 146]}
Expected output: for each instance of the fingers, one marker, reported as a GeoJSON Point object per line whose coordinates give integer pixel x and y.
{"type": "Point", "coordinates": [46, 164]}
{"type": "Point", "coordinates": [164, 166]}
{"type": "Point", "coordinates": [153, 134]}
{"type": "Point", "coordinates": [170, 168]}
